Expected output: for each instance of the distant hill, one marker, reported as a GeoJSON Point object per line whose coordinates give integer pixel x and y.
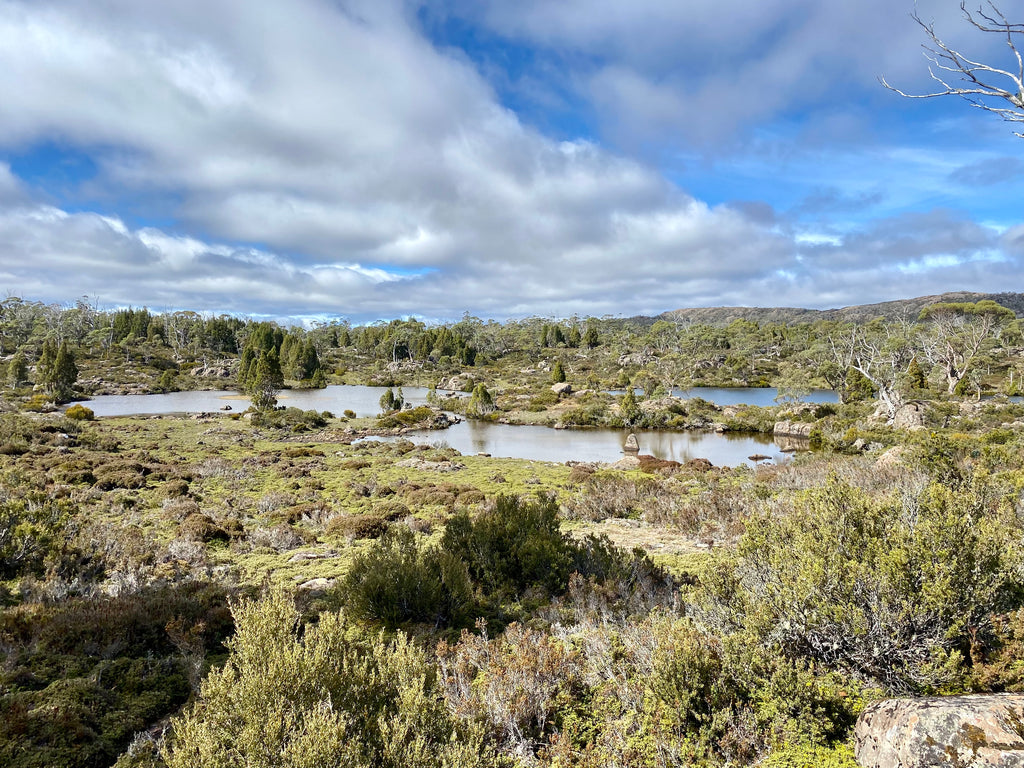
{"type": "Point", "coordinates": [888, 309]}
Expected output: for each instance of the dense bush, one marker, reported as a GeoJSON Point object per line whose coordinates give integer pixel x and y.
{"type": "Point", "coordinates": [31, 533]}
{"type": "Point", "coordinates": [893, 589]}
{"type": "Point", "coordinates": [399, 581]}
{"type": "Point", "coordinates": [324, 694]}
{"type": "Point", "coordinates": [514, 545]}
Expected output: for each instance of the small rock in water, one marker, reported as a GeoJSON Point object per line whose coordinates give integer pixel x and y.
{"type": "Point", "coordinates": [632, 445]}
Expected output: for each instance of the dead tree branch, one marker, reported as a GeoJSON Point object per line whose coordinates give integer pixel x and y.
{"type": "Point", "coordinates": [975, 81]}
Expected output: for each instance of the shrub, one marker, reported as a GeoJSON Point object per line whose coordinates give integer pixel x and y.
{"type": "Point", "coordinates": [398, 581]}
{"type": "Point", "coordinates": [323, 694]}
{"type": "Point", "coordinates": [367, 526]}
{"type": "Point", "coordinates": [892, 589]}
{"type": "Point", "coordinates": [79, 412]}
{"type": "Point", "coordinates": [200, 527]}
{"type": "Point", "coordinates": [31, 532]}
{"type": "Point", "coordinates": [515, 544]}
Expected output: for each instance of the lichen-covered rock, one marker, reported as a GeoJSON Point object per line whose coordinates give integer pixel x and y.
{"type": "Point", "coordinates": [632, 445]}
{"type": "Point", "coordinates": [794, 428]}
{"type": "Point", "coordinates": [980, 731]}
{"type": "Point", "coordinates": [910, 416]}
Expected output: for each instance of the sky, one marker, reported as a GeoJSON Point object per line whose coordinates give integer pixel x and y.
{"type": "Point", "coordinates": [373, 159]}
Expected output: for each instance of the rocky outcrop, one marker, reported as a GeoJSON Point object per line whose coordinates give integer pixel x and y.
{"type": "Point", "coordinates": [800, 429]}
{"type": "Point", "coordinates": [457, 383]}
{"type": "Point", "coordinates": [215, 369]}
{"type": "Point", "coordinates": [910, 416]}
{"type": "Point", "coordinates": [981, 731]}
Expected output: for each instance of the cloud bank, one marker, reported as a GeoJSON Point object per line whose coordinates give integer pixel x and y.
{"type": "Point", "coordinates": [314, 157]}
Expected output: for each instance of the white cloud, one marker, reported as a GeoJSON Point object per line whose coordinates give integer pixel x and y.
{"type": "Point", "coordinates": [367, 173]}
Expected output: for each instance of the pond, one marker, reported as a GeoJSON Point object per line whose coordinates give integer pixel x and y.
{"type": "Point", "coordinates": [469, 437]}
{"type": "Point", "coordinates": [365, 401]}
{"type": "Point", "coordinates": [546, 444]}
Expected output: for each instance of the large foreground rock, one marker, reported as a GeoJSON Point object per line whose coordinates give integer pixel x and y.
{"type": "Point", "coordinates": [982, 731]}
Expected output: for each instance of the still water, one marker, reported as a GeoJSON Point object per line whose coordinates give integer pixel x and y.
{"type": "Point", "coordinates": [546, 444]}
{"type": "Point", "coordinates": [365, 401]}
{"type": "Point", "coordinates": [469, 437]}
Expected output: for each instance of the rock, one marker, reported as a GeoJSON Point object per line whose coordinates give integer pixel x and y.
{"type": "Point", "coordinates": [632, 445]}
{"type": "Point", "coordinates": [562, 388]}
{"type": "Point", "coordinates": [636, 359]}
{"type": "Point", "coordinates": [801, 429]}
{"type": "Point", "coordinates": [627, 462]}
{"type": "Point", "coordinates": [891, 458]}
{"type": "Point", "coordinates": [910, 416]}
{"type": "Point", "coordinates": [981, 731]}
{"type": "Point", "coordinates": [317, 587]}
{"type": "Point", "coordinates": [453, 384]}
{"type": "Point", "coordinates": [300, 557]}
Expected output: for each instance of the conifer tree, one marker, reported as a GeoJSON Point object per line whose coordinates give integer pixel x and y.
{"type": "Point", "coordinates": [480, 402]}
{"type": "Point", "coordinates": [17, 370]}
{"type": "Point", "coordinates": [44, 366]}
{"type": "Point", "coordinates": [64, 374]}
{"type": "Point", "coordinates": [558, 372]}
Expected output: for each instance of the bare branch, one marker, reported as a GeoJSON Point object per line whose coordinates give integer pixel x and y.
{"type": "Point", "coordinates": [975, 75]}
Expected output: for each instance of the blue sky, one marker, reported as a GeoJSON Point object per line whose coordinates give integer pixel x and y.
{"type": "Point", "coordinates": [373, 159]}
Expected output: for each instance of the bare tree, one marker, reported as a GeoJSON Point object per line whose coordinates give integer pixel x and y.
{"type": "Point", "coordinates": [982, 85]}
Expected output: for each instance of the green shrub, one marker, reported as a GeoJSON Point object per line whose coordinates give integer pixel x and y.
{"type": "Point", "coordinates": [422, 415]}
{"type": "Point", "coordinates": [366, 526]}
{"type": "Point", "coordinates": [83, 676]}
{"type": "Point", "coordinates": [893, 589]}
{"type": "Point", "coordinates": [324, 694]}
{"type": "Point", "coordinates": [516, 544]}
{"type": "Point", "coordinates": [398, 581]}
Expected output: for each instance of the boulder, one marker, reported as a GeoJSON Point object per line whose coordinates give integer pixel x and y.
{"type": "Point", "coordinates": [632, 445]}
{"type": "Point", "coordinates": [801, 429]}
{"type": "Point", "coordinates": [562, 388]}
{"type": "Point", "coordinates": [892, 458]}
{"type": "Point", "coordinates": [317, 587]}
{"type": "Point", "coordinates": [629, 461]}
{"type": "Point", "coordinates": [981, 731]}
{"type": "Point", "coordinates": [910, 416]}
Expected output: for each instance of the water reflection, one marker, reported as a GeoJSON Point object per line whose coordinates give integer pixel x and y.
{"type": "Point", "coordinates": [365, 401]}
{"type": "Point", "coordinates": [546, 444]}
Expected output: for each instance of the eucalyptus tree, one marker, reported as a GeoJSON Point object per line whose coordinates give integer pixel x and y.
{"type": "Point", "coordinates": [956, 334]}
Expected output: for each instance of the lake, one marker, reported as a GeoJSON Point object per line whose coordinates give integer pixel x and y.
{"type": "Point", "coordinates": [598, 444]}
{"type": "Point", "coordinates": [365, 401]}
{"type": "Point", "coordinates": [470, 437]}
